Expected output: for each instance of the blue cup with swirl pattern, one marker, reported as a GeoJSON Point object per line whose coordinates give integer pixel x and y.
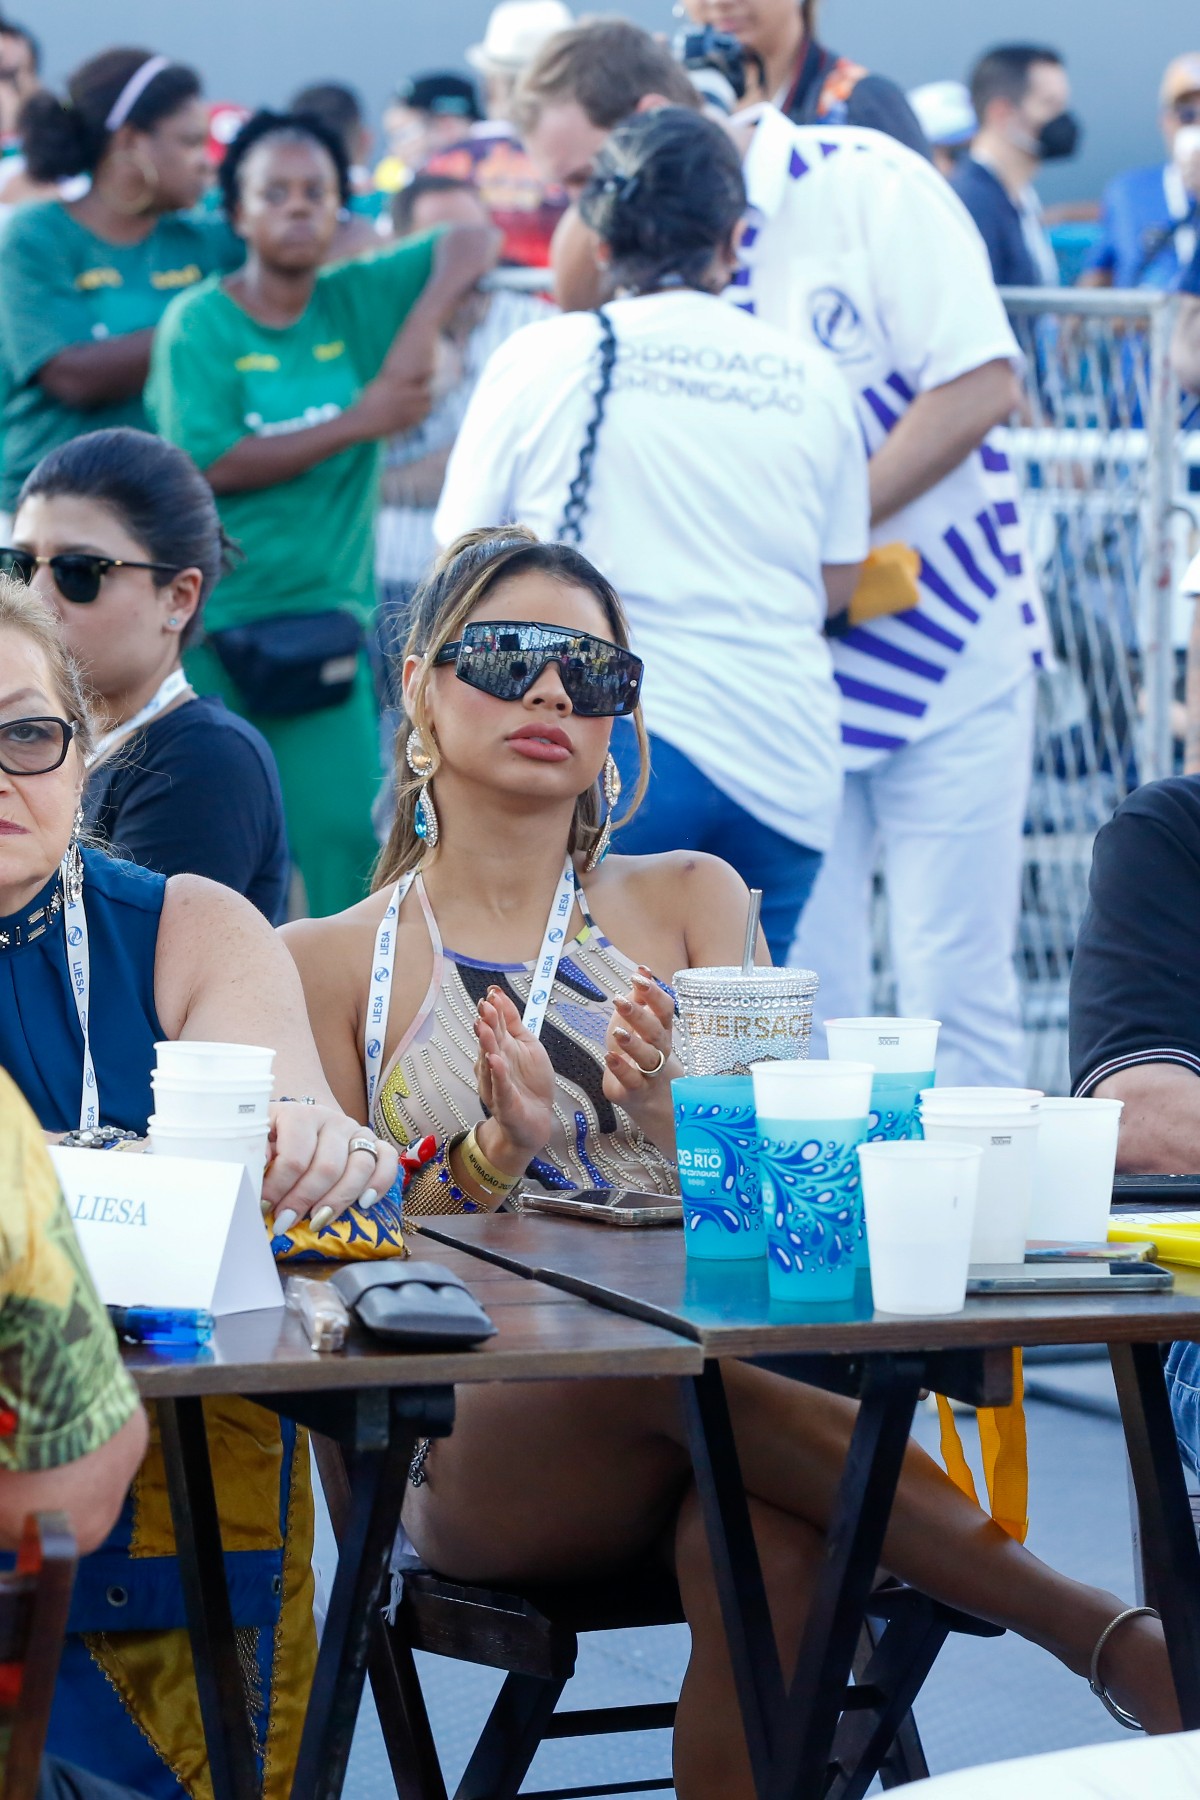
{"type": "Point", "coordinates": [716, 1148]}
{"type": "Point", "coordinates": [811, 1118]}
{"type": "Point", "coordinates": [901, 1051]}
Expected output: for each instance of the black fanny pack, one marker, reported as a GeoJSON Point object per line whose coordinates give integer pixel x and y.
{"type": "Point", "coordinates": [299, 663]}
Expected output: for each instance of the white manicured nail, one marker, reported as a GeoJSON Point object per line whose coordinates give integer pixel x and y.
{"type": "Point", "coordinates": [283, 1221]}
{"type": "Point", "coordinates": [367, 1199]}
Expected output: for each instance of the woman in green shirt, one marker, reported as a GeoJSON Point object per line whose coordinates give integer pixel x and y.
{"type": "Point", "coordinates": [280, 381]}
{"type": "Point", "coordinates": [84, 282]}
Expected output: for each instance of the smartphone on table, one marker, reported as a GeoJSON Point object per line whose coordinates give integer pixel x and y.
{"type": "Point", "coordinates": [627, 1207]}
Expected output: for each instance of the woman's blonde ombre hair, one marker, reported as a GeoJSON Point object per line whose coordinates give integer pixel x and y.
{"type": "Point", "coordinates": [459, 582]}
{"type": "Point", "coordinates": [21, 610]}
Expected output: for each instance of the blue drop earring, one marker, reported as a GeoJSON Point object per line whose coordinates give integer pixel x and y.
{"type": "Point", "coordinates": [611, 782]}
{"type": "Point", "coordinates": [419, 760]}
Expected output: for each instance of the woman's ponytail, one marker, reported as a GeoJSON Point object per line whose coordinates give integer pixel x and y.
{"type": "Point", "coordinates": [58, 141]}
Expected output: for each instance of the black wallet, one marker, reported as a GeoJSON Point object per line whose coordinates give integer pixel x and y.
{"type": "Point", "coordinates": [413, 1303]}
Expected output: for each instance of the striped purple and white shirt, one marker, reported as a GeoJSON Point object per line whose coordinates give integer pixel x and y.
{"type": "Point", "coordinates": [858, 245]}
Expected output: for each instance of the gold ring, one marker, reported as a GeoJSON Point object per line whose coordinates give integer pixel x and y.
{"type": "Point", "coordinates": [658, 1068]}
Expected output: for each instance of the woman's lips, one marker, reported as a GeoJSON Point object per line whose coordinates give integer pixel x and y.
{"type": "Point", "coordinates": [539, 749]}
{"type": "Point", "coordinates": [10, 828]}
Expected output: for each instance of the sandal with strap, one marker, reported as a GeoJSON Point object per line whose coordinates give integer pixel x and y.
{"type": "Point", "coordinates": [1094, 1682]}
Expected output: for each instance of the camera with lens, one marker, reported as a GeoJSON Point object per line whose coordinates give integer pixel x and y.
{"type": "Point", "coordinates": [716, 62]}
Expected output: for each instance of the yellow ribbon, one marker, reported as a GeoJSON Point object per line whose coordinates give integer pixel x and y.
{"type": "Point", "coordinates": [1005, 1449]}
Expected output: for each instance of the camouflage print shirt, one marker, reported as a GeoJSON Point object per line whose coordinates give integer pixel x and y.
{"type": "Point", "coordinates": [63, 1391]}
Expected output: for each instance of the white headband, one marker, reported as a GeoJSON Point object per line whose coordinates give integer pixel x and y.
{"type": "Point", "coordinates": [133, 90]}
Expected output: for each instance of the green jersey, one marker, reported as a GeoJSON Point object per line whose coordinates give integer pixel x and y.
{"type": "Point", "coordinates": [217, 376]}
{"type": "Point", "coordinates": [62, 285]}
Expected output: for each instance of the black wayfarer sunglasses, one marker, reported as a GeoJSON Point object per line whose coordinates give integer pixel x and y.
{"type": "Point", "coordinates": [34, 746]}
{"type": "Point", "coordinates": [504, 658]}
{"type": "Point", "coordinates": [77, 574]}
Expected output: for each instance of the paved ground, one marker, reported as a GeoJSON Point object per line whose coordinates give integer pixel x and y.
{"type": "Point", "coordinates": [986, 1700]}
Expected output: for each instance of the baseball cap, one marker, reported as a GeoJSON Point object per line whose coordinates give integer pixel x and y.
{"type": "Point", "coordinates": [441, 92]}
{"type": "Point", "coordinates": [944, 112]}
{"type": "Point", "coordinates": [516, 31]}
{"type": "Point", "coordinates": [1182, 77]}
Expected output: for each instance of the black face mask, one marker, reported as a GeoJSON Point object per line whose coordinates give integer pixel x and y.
{"type": "Point", "coordinates": [1059, 137]}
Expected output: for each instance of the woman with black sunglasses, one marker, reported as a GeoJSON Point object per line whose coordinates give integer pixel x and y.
{"type": "Point", "coordinates": [434, 1011]}
{"type": "Point", "coordinates": [118, 533]}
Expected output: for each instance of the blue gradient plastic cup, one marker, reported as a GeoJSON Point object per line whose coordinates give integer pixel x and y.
{"type": "Point", "coordinates": [716, 1147]}
{"type": "Point", "coordinates": [811, 1118]}
{"type": "Point", "coordinates": [901, 1051]}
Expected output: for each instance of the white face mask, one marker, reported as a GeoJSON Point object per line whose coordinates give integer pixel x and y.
{"type": "Point", "coordinates": [1186, 145]}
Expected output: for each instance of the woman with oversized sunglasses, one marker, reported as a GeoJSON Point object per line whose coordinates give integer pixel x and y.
{"type": "Point", "coordinates": [99, 961]}
{"type": "Point", "coordinates": [537, 1069]}
{"type": "Point", "coordinates": [117, 532]}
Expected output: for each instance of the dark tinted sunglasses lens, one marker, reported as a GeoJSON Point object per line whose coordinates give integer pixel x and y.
{"type": "Point", "coordinates": [20, 564]}
{"type": "Point", "coordinates": [601, 680]}
{"type": "Point", "coordinates": [78, 578]}
{"type": "Point", "coordinates": [32, 746]}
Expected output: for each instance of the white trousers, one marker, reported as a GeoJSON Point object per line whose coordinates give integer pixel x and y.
{"type": "Point", "coordinates": [944, 818]}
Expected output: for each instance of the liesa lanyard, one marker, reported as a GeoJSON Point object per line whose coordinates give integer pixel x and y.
{"type": "Point", "coordinates": [79, 965]}
{"type": "Point", "coordinates": [540, 988]}
{"type": "Point", "coordinates": [175, 684]}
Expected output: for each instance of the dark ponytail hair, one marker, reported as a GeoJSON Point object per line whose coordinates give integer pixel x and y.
{"type": "Point", "coordinates": [153, 488]}
{"type": "Point", "coordinates": [666, 193]}
{"type": "Point", "coordinates": [69, 137]}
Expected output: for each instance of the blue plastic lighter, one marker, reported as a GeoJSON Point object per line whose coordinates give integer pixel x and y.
{"type": "Point", "coordinates": [177, 1326]}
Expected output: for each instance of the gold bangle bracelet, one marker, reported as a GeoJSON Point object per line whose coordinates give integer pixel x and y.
{"type": "Point", "coordinates": [491, 1179]}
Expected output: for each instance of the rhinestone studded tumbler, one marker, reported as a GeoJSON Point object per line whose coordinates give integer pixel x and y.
{"type": "Point", "coordinates": [729, 1020]}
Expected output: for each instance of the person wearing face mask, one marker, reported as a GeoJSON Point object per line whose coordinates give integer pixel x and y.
{"type": "Point", "coordinates": [1022, 98]}
{"type": "Point", "coordinates": [1148, 216]}
{"type": "Point", "coordinates": [83, 282]}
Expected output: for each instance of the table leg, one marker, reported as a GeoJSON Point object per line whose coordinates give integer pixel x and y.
{"type": "Point", "coordinates": [223, 1706]}
{"type": "Point", "coordinates": [1167, 1531]}
{"type": "Point", "coordinates": [789, 1738]}
{"type": "Point", "coordinates": [853, 1545]}
{"type": "Point", "coordinates": [736, 1567]}
{"type": "Point", "coordinates": [377, 1479]}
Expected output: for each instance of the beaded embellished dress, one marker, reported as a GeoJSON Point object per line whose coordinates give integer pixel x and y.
{"type": "Point", "coordinates": [429, 1083]}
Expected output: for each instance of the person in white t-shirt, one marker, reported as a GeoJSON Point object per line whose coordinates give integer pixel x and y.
{"type": "Point", "coordinates": [713, 468]}
{"type": "Point", "coordinates": [855, 245]}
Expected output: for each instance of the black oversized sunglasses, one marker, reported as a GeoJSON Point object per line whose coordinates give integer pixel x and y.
{"type": "Point", "coordinates": [504, 658]}
{"type": "Point", "coordinates": [77, 574]}
{"type": "Point", "coordinates": [34, 746]}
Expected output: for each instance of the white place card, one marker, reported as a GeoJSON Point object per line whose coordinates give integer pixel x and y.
{"type": "Point", "coordinates": [169, 1230]}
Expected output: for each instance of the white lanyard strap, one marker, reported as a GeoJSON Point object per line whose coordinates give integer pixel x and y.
{"type": "Point", "coordinates": [79, 965]}
{"type": "Point", "coordinates": [540, 988]}
{"type": "Point", "coordinates": [175, 684]}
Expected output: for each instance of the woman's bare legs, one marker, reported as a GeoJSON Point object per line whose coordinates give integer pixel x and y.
{"type": "Point", "coordinates": [569, 1478]}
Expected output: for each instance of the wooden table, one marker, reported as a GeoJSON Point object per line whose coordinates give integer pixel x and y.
{"type": "Point", "coordinates": [376, 1403]}
{"type": "Point", "coordinates": [726, 1310]}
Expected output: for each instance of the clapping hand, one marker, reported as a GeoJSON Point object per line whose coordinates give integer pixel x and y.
{"type": "Point", "coordinates": [639, 1062]}
{"type": "Point", "coordinates": [516, 1083]}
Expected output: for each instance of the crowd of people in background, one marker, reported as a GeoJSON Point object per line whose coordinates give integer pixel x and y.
{"type": "Point", "coordinates": [610, 459]}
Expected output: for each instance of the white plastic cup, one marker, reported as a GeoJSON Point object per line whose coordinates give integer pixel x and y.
{"type": "Point", "coordinates": [214, 1062]}
{"type": "Point", "coordinates": [245, 1144]}
{"type": "Point", "coordinates": [980, 1099]}
{"type": "Point", "coordinates": [891, 1046]}
{"type": "Point", "coordinates": [1002, 1205]}
{"type": "Point", "coordinates": [1074, 1168]}
{"type": "Point", "coordinates": [812, 1090]}
{"type": "Point", "coordinates": [920, 1207]}
{"type": "Point", "coordinates": [182, 1102]}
